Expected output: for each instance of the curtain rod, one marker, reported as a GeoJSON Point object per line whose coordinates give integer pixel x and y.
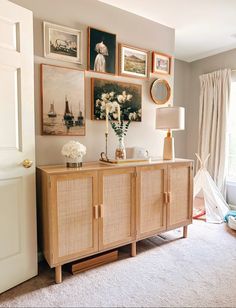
{"type": "Point", "coordinates": [234, 70]}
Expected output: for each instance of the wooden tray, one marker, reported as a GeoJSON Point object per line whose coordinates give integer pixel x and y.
{"type": "Point", "coordinates": [123, 161]}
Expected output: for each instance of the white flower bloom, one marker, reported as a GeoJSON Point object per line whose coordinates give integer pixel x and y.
{"type": "Point", "coordinates": [103, 104]}
{"type": "Point", "coordinates": [120, 99]}
{"type": "Point", "coordinates": [105, 96]}
{"type": "Point", "coordinates": [132, 116]}
{"type": "Point", "coordinates": [115, 115]}
{"type": "Point", "coordinates": [98, 102]}
{"type": "Point", "coordinates": [124, 94]}
{"type": "Point", "coordinates": [111, 94]}
{"type": "Point", "coordinates": [115, 104]}
{"type": "Point", "coordinates": [73, 149]}
{"type": "Point", "coordinates": [129, 97]}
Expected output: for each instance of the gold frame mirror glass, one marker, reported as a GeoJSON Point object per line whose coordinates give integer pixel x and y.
{"type": "Point", "coordinates": [160, 91]}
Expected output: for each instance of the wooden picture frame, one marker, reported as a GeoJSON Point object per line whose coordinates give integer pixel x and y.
{"type": "Point", "coordinates": [102, 51]}
{"type": "Point", "coordinates": [161, 63]}
{"type": "Point", "coordinates": [63, 110]}
{"type": "Point", "coordinates": [133, 61]}
{"type": "Point", "coordinates": [127, 95]}
{"type": "Point", "coordinates": [62, 43]}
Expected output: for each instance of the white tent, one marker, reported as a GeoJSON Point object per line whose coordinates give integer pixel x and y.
{"type": "Point", "coordinates": [215, 205]}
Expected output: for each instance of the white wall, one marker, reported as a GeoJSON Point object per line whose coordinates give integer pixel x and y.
{"type": "Point", "coordinates": [130, 29]}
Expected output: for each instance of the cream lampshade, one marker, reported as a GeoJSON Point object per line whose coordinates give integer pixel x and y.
{"type": "Point", "coordinates": [170, 118]}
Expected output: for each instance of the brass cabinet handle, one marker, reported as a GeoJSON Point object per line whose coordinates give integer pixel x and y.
{"type": "Point", "coordinates": [96, 211]}
{"type": "Point", "coordinates": [101, 211]}
{"type": "Point", "coordinates": [165, 197]}
{"type": "Point", "coordinates": [27, 163]}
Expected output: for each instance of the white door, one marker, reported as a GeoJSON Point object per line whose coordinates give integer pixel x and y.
{"type": "Point", "coordinates": [18, 245]}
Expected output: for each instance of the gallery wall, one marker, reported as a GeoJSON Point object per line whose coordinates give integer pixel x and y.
{"type": "Point", "coordinates": [130, 29]}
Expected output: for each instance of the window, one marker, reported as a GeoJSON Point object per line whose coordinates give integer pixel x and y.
{"type": "Point", "coordinates": [232, 134]}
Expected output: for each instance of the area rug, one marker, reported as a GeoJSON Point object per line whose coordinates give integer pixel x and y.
{"type": "Point", "coordinates": [168, 271]}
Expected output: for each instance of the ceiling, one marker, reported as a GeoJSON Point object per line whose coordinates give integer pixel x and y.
{"type": "Point", "coordinates": [202, 27]}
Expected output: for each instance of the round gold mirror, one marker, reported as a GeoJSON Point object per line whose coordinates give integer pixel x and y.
{"type": "Point", "coordinates": [160, 91]}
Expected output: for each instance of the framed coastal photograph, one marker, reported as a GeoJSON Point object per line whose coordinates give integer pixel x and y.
{"type": "Point", "coordinates": [127, 95]}
{"type": "Point", "coordinates": [63, 104]}
{"type": "Point", "coordinates": [101, 51]}
{"type": "Point", "coordinates": [133, 61]}
{"type": "Point", "coordinates": [62, 43]}
{"type": "Point", "coordinates": [161, 63]}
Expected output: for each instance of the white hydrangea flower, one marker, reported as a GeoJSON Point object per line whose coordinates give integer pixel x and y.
{"type": "Point", "coordinates": [73, 149]}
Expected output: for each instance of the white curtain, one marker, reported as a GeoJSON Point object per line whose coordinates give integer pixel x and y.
{"type": "Point", "coordinates": [213, 115]}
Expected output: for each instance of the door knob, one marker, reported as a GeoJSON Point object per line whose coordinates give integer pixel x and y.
{"type": "Point", "coordinates": [27, 163]}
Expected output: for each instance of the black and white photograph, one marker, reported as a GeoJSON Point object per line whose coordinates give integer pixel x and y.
{"type": "Point", "coordinates": [101, 51]}
{"type": "Point", "coordinates": [63, 108]}
{"type": "Point", "coordinates": [62, 43]}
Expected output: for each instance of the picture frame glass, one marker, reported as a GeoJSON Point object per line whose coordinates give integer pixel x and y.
{"type": "Point", "coordinates": [101, 51]}
{"type": "Point", "coordinates": [127, 95]}
{"type": "Point", "coordinates": [161, 64]}
{"type": "Point", "coordinates": [63, 104]}
{"type": "Point", "coordinates": [133, 62]}
{"type": "Point", "coordinates": [62, 43]}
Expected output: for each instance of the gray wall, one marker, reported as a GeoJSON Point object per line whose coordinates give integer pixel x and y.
{"type": "Point", "coordinates": [130, 29]}
{"type": "Point", "coordinates": [181, 98]}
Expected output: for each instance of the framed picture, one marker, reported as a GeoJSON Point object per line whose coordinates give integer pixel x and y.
{"type": "Point", "coordinates": [127, 95]}
{"type": "Point", "coordinates": [62, 43]}
{"type": "Point", "coordinates": [161, 63]}
{"type": "Point", "coordinates": [101, 51]}
{"type": "Point", "coordinates": [133, 61]}
{"type": "Point", "coordinates": [63, 104]}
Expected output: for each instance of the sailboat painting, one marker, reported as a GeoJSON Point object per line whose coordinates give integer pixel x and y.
{"type": "Point", "coordinates": [63, 106]}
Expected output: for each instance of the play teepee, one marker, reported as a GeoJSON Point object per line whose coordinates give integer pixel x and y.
{"type": "Point", "coordinates": [215, 205]}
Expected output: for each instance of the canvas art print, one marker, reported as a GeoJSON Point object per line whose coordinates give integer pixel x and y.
{"type": "Point", "coordinates": [127, 95]}
{"type": "Point", "coordinates": [63, 108]}
{"type": "Point", "coordinates": [62, 43]}
{"type": "Point", "coordinates": [101, 51]}
{"type": "Point", "coordinates": [161, 63]}
{"type": "Point", "coordinates": [133, 61]}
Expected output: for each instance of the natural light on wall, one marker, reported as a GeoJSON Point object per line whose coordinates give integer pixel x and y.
{"type": "Point", "coordinates": [232, 134]}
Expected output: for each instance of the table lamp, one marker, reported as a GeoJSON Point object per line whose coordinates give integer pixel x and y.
{"type": "Point", "coordinates": [170, 118]}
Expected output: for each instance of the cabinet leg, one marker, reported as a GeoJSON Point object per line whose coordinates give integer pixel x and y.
{"type": "Point", "coordinates": [133, 249]}
{"type": "Point", "coordinates": [58, 274]}
{"type": "Point", "coordinates": [185, 231]}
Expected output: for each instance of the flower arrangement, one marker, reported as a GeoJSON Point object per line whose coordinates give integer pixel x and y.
{"type": "Point", "coordinates": [73, 152]}
{"type": "Point", "coordinates": [113, 101]}
{"type": "Point", "coordinates": [120, 128]}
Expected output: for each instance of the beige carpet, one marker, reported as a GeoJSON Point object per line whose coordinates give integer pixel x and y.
{"type": "Point", "coordinates": [199, 271]}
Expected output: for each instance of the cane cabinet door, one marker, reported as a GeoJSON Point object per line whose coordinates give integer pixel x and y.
{"type": "Point", "coordinates": [117, 207]}
{"type": "Point", "coordinates": [179, 210]}
{"type": "Point", "coordinates": [151, 200]}
{"type": "Point", "coordinates": [75, 218]}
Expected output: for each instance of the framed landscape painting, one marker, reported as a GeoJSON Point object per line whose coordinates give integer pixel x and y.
{"type": "Point", "coordinates": [133, 61]}
{"type": "Point", "coordinates": [101, 51]}
{"type": "Point", "coordinates": [62, 43]}
{"type": "Point", "coordinates": [161, 63]}
{"type": "Point", "coordinates": [63, 107]}
{"type": "Point", "coordinates": [127, 95]}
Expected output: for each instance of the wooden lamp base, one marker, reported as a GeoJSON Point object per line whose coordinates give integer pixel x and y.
{"type": "Point", "coordinates": [169, 148]}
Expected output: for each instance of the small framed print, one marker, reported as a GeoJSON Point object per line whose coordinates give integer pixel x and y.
{"type": "Point", "coordinates": [133, 62]}
{"type": "Point", "coordinates": [62, 43]}
{"type": "Point", "coordinates": [101, 51]}
{"type": "Point", "coordinates": [161, 63]}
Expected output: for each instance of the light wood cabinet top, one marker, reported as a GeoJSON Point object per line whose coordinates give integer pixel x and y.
{"type": "Point", "coordinates": [91, 166]}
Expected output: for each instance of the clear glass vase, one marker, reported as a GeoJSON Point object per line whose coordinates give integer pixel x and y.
{"type": "Point", "coordinates": [120, 150]}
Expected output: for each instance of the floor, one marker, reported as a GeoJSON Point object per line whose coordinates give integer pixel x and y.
{"type": "Point", "coordinates": [168, 271]}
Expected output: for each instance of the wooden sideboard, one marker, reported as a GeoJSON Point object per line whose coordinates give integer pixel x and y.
{"type": "Point", "coordinates": [99, 207]}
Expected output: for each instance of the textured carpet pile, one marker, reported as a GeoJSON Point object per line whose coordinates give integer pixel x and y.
{"type": "Point", "coordinates": [199, 271]}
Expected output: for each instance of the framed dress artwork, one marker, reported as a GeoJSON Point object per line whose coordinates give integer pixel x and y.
{"type": "Point", "coordinates": [101, 51]}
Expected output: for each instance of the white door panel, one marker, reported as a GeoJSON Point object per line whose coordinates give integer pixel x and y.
{"type": "Point", "coordinates": [18, 245]}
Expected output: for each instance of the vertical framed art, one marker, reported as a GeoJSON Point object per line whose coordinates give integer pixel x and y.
{"type": "Point", "coordinates": [62, 43]}
{"type": "Point", "coordinates": [63, 103]}
{"type": "Point", "coordinates": [161, 63]}
{"type": "Point", "coordinates": [101, 51]}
